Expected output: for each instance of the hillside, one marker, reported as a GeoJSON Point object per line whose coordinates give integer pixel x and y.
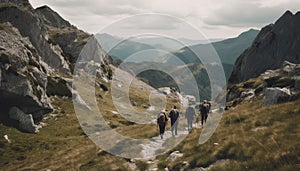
{"type": "Point", "coordinates": [187, 78]}
{"type": "Point", "coordinates": [249, 137]}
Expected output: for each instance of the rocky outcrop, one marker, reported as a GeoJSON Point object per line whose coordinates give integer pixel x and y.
{"type": "Point", "coordinates": [51, 18]}
{"type": "Point", "coordinates": [274, 44]}
{"type": "Point", "coordinates": [25, 121]}
{"type": "Point", "coordinates": [35, 30]}
{"type": "Point", "coordinates": [38, 50]}
{"type": "Point", "coordinates": [277, 86]}
{"type": "Point", "coordinates": [276, 95]}
{"type": "Point", "coordinates": [170, 92]}
{"type": "Point", "coordinates": [23, 75]}
{"type": "Point", "coordinates": [21, 3]}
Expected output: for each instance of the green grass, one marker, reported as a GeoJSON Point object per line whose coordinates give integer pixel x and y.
{"type": "Point", "coordinates": [62, 144]}
{"type": "Point", "coordinates": [250, 137]}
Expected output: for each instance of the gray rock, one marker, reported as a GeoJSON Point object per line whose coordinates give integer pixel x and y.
{"type": "Point", "coordinates": [51, 18]}
{"type": "Point", "coordinates": [276, 95]}
{"type": "Point", "coordinates": [288, 67]}
{"type": "Point", "coordinates": [21, 78]}
{"type": "Point", "coordinates": [133, 103]}
{"type": "Point", "coordinates": [274, 44]}
{"type": "Point", "coordinates": [35, 30]}
{"type": "Point", "coordinates": [247, 95]}
{"type": "Point", "coordinates": [77, 98]}
{"type": "Point", "coordinates": [174, 155]}
{"type": "Point", "coordinates": [26, 122]}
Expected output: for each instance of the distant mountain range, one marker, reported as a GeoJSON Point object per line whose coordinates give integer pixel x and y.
{"type": "Point", "coordinates": [122, 48]}
{"type": "Point", "coordinates": [118, 48]}
{"type": "Point", "coordinates": [228, 49]}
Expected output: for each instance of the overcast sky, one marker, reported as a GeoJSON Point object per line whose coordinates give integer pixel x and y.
{"type": "Point", "coordinates": [214, 18]}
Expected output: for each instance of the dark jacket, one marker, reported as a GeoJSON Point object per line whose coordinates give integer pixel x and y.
{"type": "Point", "coordinates": [204, 109]}
{"type": "Point", "coordinates": [174, 114]}
{"type": "Point", "coordinates": [159, 119]}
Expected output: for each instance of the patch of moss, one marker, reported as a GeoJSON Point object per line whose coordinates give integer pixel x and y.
{"type": "Point", "coordinates": [141, 165]}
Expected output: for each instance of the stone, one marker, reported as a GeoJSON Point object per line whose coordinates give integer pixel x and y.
{"type": "Point", "coordinates": [174, 155]}
{"type": "Point", "coordinates": [77, 98]}
{"type": "Point", "coordinates": [248, 95]}
{"type": "Point", "coordinates": [26, 122]}
{"type": "Point", "coordinates": [133, 103]}
{"type": "Point", "coordinates": [287, 67]}
{"type": "Point", "coordinates": [6, 138]}
{"type": "Point", "coordinates": [276, 95]}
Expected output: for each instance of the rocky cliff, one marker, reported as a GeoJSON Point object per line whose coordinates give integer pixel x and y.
{"type": "Point", "coordinates": [274, 44]}
{"type": "Point", "coordinates": [38, 50]}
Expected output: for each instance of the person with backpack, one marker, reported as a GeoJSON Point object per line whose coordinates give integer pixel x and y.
{"type": "Point", "coordinates": [174, 116]}
{"type": "Point", "coordinates": [162, 122]}
{"type": "Point", "coordinates": [204, 109]}
{"type": "Point", "coordinates": [190, 115]}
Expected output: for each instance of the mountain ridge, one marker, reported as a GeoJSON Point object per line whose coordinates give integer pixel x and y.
{"type": "Point", "coordinates": [273, 45]}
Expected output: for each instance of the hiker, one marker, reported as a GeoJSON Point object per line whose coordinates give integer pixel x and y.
{"type": "Point", "coordinates": [204, 109]}
{"type": "Point", "coordinates": [174, 115]}
{"type": "Point", "coordinates": [190, 115]}
{"type": "Point", "coordinates": [162, 122]}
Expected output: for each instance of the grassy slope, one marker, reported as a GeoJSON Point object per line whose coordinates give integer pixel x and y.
{"type": "Point", "coordinates": [250, 137]}
{"type": "Point", "coordinates": [62, 144]}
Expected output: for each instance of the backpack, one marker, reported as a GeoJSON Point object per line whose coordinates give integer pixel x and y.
{"type": "Point", "coordinates": [174, 114]}
{"type": "Point", "coordinates": [204, 108]}
{"type": "Point", "coordinates": [161, 119]}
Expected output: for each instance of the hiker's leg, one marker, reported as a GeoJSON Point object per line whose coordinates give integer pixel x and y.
{"type": "Point", "coordinates": [202, 119]}
{"type": "Point", "coordinates": [160, 129]}
{"type": "Point", "coordinates": [172, 128]}
{"type": "Point", "coordinates": [190, 125]}
{"type": "Point", "coordinates": [176, 126]}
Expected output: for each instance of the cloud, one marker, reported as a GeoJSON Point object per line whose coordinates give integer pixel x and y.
{"type": "Point", "coordinates": [250, 13]}
{"type": "Point", "coordinates": [214, 18]}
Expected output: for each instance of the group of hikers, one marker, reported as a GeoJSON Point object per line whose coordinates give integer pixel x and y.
{"type": "Point", "coordinates": [190, 115]}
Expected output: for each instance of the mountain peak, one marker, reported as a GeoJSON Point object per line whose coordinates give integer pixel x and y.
{"type": "Point", "coordinates": [288, 13]}
{"type": "Point", "coordinates": [23, 3]}
{"type": "Point", "coordinates": [274, 44]}
{"type": "Point", "coordinates": [51, 17]}
{"type": "Point", "coordinates": [286, 17]}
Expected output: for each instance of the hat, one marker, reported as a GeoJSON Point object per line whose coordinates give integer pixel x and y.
{"type": "Point", "coordinates": [205, 101]}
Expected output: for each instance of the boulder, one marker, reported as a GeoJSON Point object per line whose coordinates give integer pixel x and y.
{"type": "Point", "coordinates": [276, 95]}
{"type": "Point", "coordinates": [26, 122]}
{"type": "Point", "coordinates": [247, 95]}
{"type": "Point", "coordinates": [170, 92]}
{"type": "Point", "coordinates": [174, 155]}
{"type": "Point", "coordinates": [288, 67]}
